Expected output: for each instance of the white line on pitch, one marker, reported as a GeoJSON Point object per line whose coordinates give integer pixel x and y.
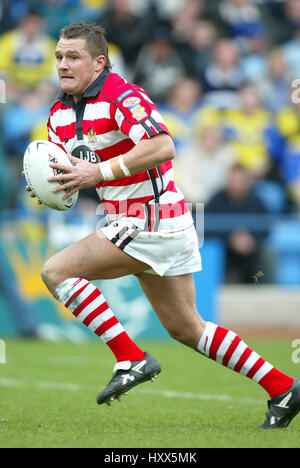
{"type": "Point", "coordinates": [199, 396]}
{"type": "Point", "coordinates": [55, 385]}
{"type": "Point", "coordinates": [10, 382]}
{"type": "Point", "coordinates": [165, 393]}
{"type": "Point", "coordinates": [59, 386]}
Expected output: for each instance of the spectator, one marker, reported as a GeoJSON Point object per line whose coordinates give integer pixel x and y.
{"type": "Point", "coordinates": [241, 17]}
{"type": "Point", "coordinates": [193, 33]}
{"type": "Point", "coordinates": [274, 87]}
{"type": "Point", "coordinates": [276, 21]}
{"type": "Point", "coordinates": [289, 22]}
{"type": "Point", "coordinates": [223, 75]}
{"type": "Point", "coordinates": [158, 66]}
{"type": "Point", "coordinates": [199, 46]}
{"type": "Point", "coordinates": [242, 239]}
{"type": "Point", "coordinates": [291, 54]}
{"type": "Point", "coordinates": [288, 122]}
{"type": "Point", "coordinates": [292, 12]}
{"type": "Point", "coordinates": [288, 27]}
{"type": "Point", "coordinates": [27, 54]}
{"type": "Point", "coordinates": [93, 9]}
{"type": "Point", "coordinates": [187, 16]}
{"type": "Point", "coordinates": [290, 171]}
{"type": "Point", "coordinates": [254, 57]}
{"type": "Point", "coordinates": [126, 29]}
{"type": "Point", "coordinates": [58, 13]}
{"type": "Point", "coordinates": [21, 117]}
{"type": "Point", "coordinates": [163, 10]}
{"type": "Point", "coordinates": [183, 111]}
{"type": "Point", "coordinates": [253, 133]}
{"type": "Point", "coordinates": [201, 166]}
{"type": "Point", "coordinates": [7, 20]}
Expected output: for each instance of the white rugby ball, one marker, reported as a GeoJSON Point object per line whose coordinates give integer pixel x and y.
{"type": "Point", "coordinates": [38, 155]}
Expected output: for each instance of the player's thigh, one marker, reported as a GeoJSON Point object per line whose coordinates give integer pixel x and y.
{"type": "Point", "coordinates": [173, 299]}
{"type": "Point", "coordinates": [94, 257]}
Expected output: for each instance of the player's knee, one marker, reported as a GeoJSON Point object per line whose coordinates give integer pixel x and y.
{"type": "Point", "coordinates": [50, 276]}
{"type": "Point", "coordinates": [175, 334]}
{"type": "Point", "coordinates": [185, 336]}
{"type": "Point", "coordinates": [188, 335]}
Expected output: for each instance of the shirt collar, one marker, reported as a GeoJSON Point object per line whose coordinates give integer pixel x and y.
{"type": "Point", "coordinates": [92, 90]}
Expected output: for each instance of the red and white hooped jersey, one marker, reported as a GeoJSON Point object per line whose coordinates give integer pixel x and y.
{"type": "Point", "coordinates": [111, 118]}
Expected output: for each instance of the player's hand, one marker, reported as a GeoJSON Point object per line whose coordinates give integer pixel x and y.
{"type": "Point", "coordinates": [82, 174]}
{"type": "Point", "coordinates": [28, 189]}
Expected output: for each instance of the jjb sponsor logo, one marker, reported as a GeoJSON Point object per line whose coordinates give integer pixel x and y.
{"type": "Point", "coordinates": [2, 352]}
{"type": "Point", "coordinates": [84, 152]}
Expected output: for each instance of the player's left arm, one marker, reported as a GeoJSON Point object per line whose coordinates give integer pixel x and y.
{"type": "Point", "coordinates": [143, 156]}
{"type": "Point", "coordinates": [146, 154]}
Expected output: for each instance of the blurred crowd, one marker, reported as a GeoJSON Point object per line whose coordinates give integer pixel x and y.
{"type": "Point", "coordinates": [223, 74]}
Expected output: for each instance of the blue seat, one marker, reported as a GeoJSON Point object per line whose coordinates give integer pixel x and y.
{"type": "Point", "coordinates": [210, 278]}
{"type": "Point", "coordinates": [272, 194]}
{"type": "Point", "coordinates": [284, 240]}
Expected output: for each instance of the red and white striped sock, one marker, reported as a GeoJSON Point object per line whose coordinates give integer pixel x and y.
{"type": "Point", "coordinates": [226, 348]}
{"type": "Point", "coordinates": [87, 303]}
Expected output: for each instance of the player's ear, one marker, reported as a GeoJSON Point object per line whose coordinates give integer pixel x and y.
{"type": "Point", "coordinates": [100, 63]}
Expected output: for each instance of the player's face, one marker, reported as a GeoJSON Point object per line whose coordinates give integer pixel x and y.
{"type": "Point", "coordinates": [76, 67]}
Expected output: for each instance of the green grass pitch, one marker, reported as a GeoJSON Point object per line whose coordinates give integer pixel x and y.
{"type": "Point", "coordinates": [48, 399]}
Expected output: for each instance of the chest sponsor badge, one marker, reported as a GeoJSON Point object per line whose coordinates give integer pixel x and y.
{"type": "Point", "coordinates": [84, 152]}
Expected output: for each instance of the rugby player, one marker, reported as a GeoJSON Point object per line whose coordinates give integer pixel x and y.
{"type": "Point", "coordinates": [118, 143]}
